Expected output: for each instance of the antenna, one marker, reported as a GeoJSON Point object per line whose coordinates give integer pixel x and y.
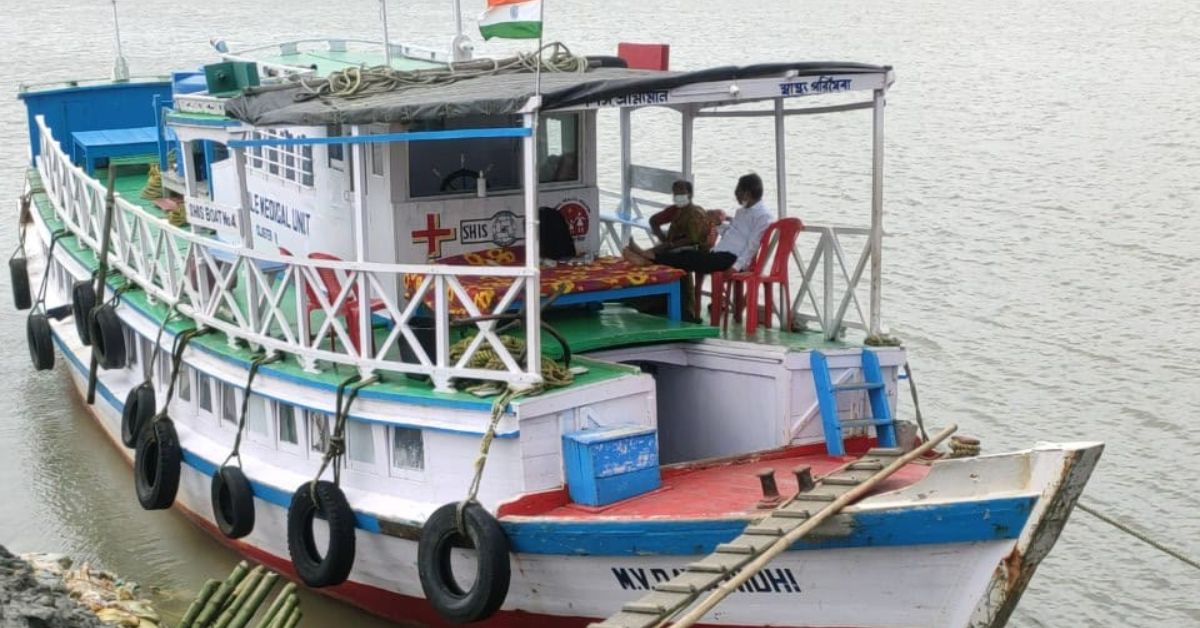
{"type": "Point", "coordinates": [387, 42]}
{"type": "Point", "coordinates": [120, 66]}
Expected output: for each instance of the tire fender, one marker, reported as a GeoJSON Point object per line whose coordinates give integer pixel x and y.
{"type": "Point", "coordinates": [19, 274]}
{"type": "Point", "coordinates": [108, 337]}
{"type": "Point", "coordinates": [334, 566]}
{"type": "Point", "coordinates": [156, 465]}
{"type": "Point", "coordinates": [139, 409]}
{"type": "Point", "coordinates": [83, 299]}
{"type": "Point", "coordinates": [41, 344]}
{"type": "Point", "coordinates": [493, 574]}
{"type": "Point", "coordinates": [232, 502]}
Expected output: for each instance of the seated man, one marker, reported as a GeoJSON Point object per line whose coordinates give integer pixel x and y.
{"type": "Point", "coordinates": [739, 237]}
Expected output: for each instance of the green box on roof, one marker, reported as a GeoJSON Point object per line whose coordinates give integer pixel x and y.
{"type": "Point", "coordinates": [230, 77]}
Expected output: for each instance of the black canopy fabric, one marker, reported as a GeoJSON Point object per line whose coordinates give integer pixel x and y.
{"type": "Point", "coordinates": [494, 95]}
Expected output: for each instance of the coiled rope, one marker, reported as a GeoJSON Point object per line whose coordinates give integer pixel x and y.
{"type": "Point", "coordinates": [360, 82]}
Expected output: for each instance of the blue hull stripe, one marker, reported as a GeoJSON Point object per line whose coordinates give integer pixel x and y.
{"type": "Point", "coordinates": [988, 520]}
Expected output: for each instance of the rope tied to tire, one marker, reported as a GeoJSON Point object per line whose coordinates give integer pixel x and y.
{"type": "Point", "coordinates": [37, 323]}
{"type": "Point", "coordinates": [255, 364]}
{"type": "Point", "coordinates": [326, 499]}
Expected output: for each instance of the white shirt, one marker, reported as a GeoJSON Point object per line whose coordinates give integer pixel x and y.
{"type": "Point", "coordinates": [741, 236]}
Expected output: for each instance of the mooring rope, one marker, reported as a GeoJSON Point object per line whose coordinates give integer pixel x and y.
{"type": "Point", "coordinates": [255, 364]}
{"type": "Point", "coordinates": [360, 82]}
{"type": "Point", "coordinates": [335, 448]}
{"type": "Point", "coordinates": [1141, 536]}
{"type": "Point", "coordinates": [40, 303]}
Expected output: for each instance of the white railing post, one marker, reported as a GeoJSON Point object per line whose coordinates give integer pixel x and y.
{"type": "Point", "coordinates": [441, 317]}
{"type": "Point", "coordinates": [876, 307]}
{"type": "Point", "coordinates": [246, 231]}
{"type": "Point", "coordinates": [827, 299]}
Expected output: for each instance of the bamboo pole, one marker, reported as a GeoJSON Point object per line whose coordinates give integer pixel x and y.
{"type": "Point", "coordinates": [213, 607]}
{"type": "Point", "coordinates": [786, 541]}
{"type": "Point", "coordinates": [285, 611]}
{"type": "Point", "coordinates": [294, 618]}
{"type": "Point", "coordinates": [197, 605]}
{"type": "Point", "coordinates": [242, 617]}
{"type": "Point", "coordinates": [241, 594]}
{"type": "Point", "coordinates": [288, 590]}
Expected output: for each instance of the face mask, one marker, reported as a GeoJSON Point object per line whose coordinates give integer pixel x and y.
{"type": "Point", "coordinates": [681, 200]}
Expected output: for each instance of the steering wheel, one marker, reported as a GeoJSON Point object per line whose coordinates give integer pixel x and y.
{"type": "Point", "coordinates": [461, 180]}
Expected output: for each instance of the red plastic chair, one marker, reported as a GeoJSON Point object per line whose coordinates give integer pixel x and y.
{"type": "Point", "coordinates": [333, 288]}
{"type": "Point", "coordinates": [776, 247]}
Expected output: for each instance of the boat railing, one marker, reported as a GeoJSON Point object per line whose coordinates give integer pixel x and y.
{"type": "Point", "coordinates": [828, 294]}
{"type": "Point", "coordinates": [305, 307]}
{"type": "Point", "coordinates": [333, 44]}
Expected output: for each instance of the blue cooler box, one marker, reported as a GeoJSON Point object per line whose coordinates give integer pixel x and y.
{"type": "Point", "coordinates": [608, 464]}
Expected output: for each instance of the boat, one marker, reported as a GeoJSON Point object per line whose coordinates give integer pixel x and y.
{"type": "Point", "coordinates": [297, 288]}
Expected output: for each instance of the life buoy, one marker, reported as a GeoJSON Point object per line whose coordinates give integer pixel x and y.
{"type": "Point", "coordinates": [232, 502]}
{"type": "Point", "coordinates": [439, 536]}
{"type": "Point", "coordinates": [83, 299]}
{"type": "Point", "coordinates": [108, 337]}
{"type": "Point", "coordinates": [19, 274]}
{"type": "Point", "coordinates": [139, 408]}
{"type": "Point", "coordinates": [156, 465]}
{"type": "Point", "coordinates": [334, 567]}
{"type": "Point", "coordinates": [41, 345]}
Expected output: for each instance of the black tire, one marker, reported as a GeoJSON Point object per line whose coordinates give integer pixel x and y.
{"type": "Point", "coordinates": [108, 337]}
{"type": "Point", "coordinates": [156, 465]}
{"type": "Point", "coordinates": [232, 502]}
{"type": "Point", "coordinates": [83, 299]}
{"type": "Point", "coordinates": [139, 409]}
{"type": "Point", "coordinates": [41, 344]}
{"type": "Point", "coordinates": [439, 536]}
{"type": "Point", "coordinates": [19, 273]}
{"type": "Point", "coordinates": [334, 567]}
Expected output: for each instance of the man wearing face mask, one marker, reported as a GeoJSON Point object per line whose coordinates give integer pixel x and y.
{"type": "Point", "coordinates": [689, 226]}
{"type": "Point", "coordinates": [739, 237]}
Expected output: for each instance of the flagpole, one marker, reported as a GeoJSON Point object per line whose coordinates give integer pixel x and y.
{"type": "Point", "coordinates": [537, 90]}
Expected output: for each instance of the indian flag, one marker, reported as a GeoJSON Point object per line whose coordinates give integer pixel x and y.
{"type": "Point", "coordinates": [512, 19]}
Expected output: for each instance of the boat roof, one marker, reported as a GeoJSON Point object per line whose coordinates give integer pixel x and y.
{"type": "Point", "coordinates": [506, 94]}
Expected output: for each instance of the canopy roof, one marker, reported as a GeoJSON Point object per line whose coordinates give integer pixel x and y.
{"type": "Point", "coordinates": [502, 94]}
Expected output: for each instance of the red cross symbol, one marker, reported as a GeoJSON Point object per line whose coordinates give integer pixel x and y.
{"type": "Point", "coordinates": [433, 236]}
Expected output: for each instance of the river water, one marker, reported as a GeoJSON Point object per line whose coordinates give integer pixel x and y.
{"type": "Point", "coordinates": [1042, 265]}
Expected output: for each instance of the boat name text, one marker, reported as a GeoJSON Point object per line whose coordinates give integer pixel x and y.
{"type": "Point", "coordinates": [769, 580]}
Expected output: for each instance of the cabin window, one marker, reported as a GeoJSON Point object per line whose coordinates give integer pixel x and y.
{"type": "Point", "coordinates": [164, 367]}
{"type": "Point", "coordinates": [377, 160]}
{"type": "Point", "coordinates": [408, 449]}
{"type": "Point", "coordinates": [184, 384]}
{"type": "Point", "coordinates": [360, 445]}
{"type": "Point", "coordinates": [558, 148]}
{"type": "Point", "coordinates": [204, 383]}
{"type": "Point", "coordinates": [289, 163]}
{"type": "Point", "coordinates": [285, 419]}
{"type": "Point", "coordinates": [336, 152]}
{"type": "Point", "coordinates": [256, 416]}
{"type": "Point", "coordinates": [318, 431]}
{"type": "Point", "coordinates": [229, 407]}
{"type": "Point", "coordinates": [143, 346]}
{"type": "Point", "coordinates": [448, 167]}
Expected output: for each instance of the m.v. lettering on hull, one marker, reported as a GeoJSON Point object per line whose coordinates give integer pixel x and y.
{"type": "Point", "coordinates": [769, 580]}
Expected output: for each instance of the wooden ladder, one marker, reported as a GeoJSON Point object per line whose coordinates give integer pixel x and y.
{"type": "Point", "coordinates": [735, 562]}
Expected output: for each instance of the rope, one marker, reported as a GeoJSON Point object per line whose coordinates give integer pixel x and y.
{"type": "Point", "coordinates": [158, 342]}
{"type": "Point", "coordinates": [153, 189]}
{"type": "Point", "coordinates": [912, 386]}
{"type": "Point", "coordinates": [178, 346]}
{"type": "Point", "coordinates": [22, 225]}
{"type": "Point", "coordinates": [554, 375]}
{"type": "Point", "coordinates": [1138, 535]}
{"type": "Point", "coordinates": [258, 361]}
{"type": "Point", "coordinates": [40, 303]}
{"type": "Point", "coordinates": [337, 440]}
{"type": "Point", "coordinates": [360, 82]}
{"type": "Point", "coordinates": [964, 447]}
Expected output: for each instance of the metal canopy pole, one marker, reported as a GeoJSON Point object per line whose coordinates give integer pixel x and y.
{"type": "Point", "coordinates": [626, 210]}
{"type": "Point", "coordinates": [877, 214]}
{"type": "Point", "coordinates": [780, 157]}
{"type": "Point", "coordinates": [361, 224]}
{"type": "Point", "coordinates": [387, 40]}
{"type": "Point", "coordinates": [533, 287]}
{"type": "Point", "coordinates": [688, 132]}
